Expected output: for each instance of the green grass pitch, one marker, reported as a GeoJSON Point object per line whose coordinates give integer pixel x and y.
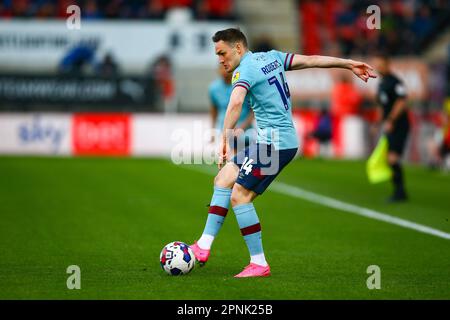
{"type": "Point", "coordinates": [112, 216]}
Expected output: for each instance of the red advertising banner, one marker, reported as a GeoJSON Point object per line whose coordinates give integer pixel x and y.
{"type": "Point", "coordinates": [106, 134]}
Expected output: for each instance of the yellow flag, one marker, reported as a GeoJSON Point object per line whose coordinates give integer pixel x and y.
{"type": "Point", "coordinates": [378, 169]}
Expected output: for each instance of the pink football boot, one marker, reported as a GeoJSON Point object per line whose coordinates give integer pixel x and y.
{"type": "Point", "coordinates": [201, 255]}
{"type": "Point", "coordinates": [254, 270]}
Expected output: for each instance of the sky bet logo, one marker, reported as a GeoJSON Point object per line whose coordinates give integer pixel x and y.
{"type": "Point", "coordinates": [37, 131]}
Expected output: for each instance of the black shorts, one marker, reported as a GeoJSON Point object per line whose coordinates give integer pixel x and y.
{"type": "Point", "coordinates": [397, 140]}
{"type": "Point", "coordinates": [259, 164]}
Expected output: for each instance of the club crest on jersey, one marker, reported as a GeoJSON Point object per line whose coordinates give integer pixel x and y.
{"type": "Point", "coordinates": [235, 77]}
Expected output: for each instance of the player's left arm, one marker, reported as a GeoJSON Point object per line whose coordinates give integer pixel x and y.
{"type": "Point", "coordinates": [234, 109]}
{"type": "Point", "coordinates": [231, 118]}
{"type": "Point", "coordinates": [360, 69]}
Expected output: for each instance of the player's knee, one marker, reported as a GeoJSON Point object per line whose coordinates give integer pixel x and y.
{"type": "Point", "coordinates": [235, 198]}
{"type": "Point", "coordinates": [239, 196]}
{"type": "Point", "coordinates": [218, 180]}
{"type": "Point", "coordinates": [226, 177]}
{"type": "Point", "coordinates": [223, 181]}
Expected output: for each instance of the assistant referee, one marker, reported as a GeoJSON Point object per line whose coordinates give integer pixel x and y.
{"type": "Point", "coordinates": [391, 97]}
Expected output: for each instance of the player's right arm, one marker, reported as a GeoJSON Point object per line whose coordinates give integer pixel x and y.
{"type": "Point", "coordinates": [231, 118]}
{"type": "Point", "coordinates": [360, 69]}
{"type": "Point", "coordinates": [247, 121]}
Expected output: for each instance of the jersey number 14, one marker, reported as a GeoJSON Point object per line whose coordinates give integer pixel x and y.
{"type": "Point", "coordinates": [282, 89]}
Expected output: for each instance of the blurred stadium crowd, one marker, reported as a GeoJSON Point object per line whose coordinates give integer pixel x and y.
{"type": "Point", "coordinates": [407, 26]}
{"type": "Point", "coordinates": [116, 9]}
{"type": "Point", "coordinates": [327, 26]}
{"type": "Point", "coordinates": [173, 62]}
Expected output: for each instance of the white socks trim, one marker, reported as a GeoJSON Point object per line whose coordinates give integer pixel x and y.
{"type": "Point", "coordinates": [259, 259]}
{"type": "Point", "coordinates": [205, 241]}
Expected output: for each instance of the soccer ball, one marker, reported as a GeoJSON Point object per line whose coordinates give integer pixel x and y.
{"type": "Point", "coordinates": [177, 258]}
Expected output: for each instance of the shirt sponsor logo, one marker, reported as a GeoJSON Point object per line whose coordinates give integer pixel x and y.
{"type": "Point", "coordinates": [235, 77]}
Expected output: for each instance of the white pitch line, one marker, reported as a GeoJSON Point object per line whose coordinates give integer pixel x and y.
{"type": "Point", "coordinates": [351, 208]}
{"type": "Point", "coordinates": [300, 193]}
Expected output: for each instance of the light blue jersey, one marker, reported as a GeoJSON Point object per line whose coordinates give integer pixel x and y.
{"type": "Point", "coordinates": [219, 94]}
{"type": "Point", "coordinates": [263, 75]}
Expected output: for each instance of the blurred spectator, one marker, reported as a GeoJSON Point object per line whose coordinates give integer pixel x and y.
{"type": "Point", "coordinates": [216, 9]}
{"type": "Point", "coordinates": [345, 101]}
{"type": "Point", "coordinates": [108, 67]}
{"type": "Point", "coordinates": [439, 145]}
{"type": "Point", "coordinates": [5, 10]}
{"type": "Point", "coordinates": [21, 8]}
{"type": "Point", "coordinates": [161, 70]}
{"type": "Point", "coordinates": [345, 21]}
{"type": "Point", "coordinates": [423, 23]}
{"type": "Point", "coordinates": [310, 25]}
{"type": "Point", "coordinates": [46, 9]}
{"type": "Point", "coordinates": [322, 133]}
{"type": "Point", "coordinates": [152, 10]}
{"type": "Point", "coordinates": [79, 59]}
{"type": "Point", "coordinates": [345, 97]}
{"type": "Point", "coordinates": [111, 9]}
{"type": "Point", "coordinates": [90, 10]}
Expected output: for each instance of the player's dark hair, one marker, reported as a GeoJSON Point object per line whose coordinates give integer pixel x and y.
{"type": "Point", "coordinates": [231, 35]}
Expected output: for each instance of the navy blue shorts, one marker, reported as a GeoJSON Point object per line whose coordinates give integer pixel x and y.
{"type": "Point", "coordinates": [259, 164]}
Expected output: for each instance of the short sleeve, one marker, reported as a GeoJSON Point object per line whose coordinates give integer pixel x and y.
{"type": "Point", "coordinates": [242, 77]}
{"type": "Point", "coordinates": [400, 89]}
{"type": "Point", "coordinates": [286, 58]}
